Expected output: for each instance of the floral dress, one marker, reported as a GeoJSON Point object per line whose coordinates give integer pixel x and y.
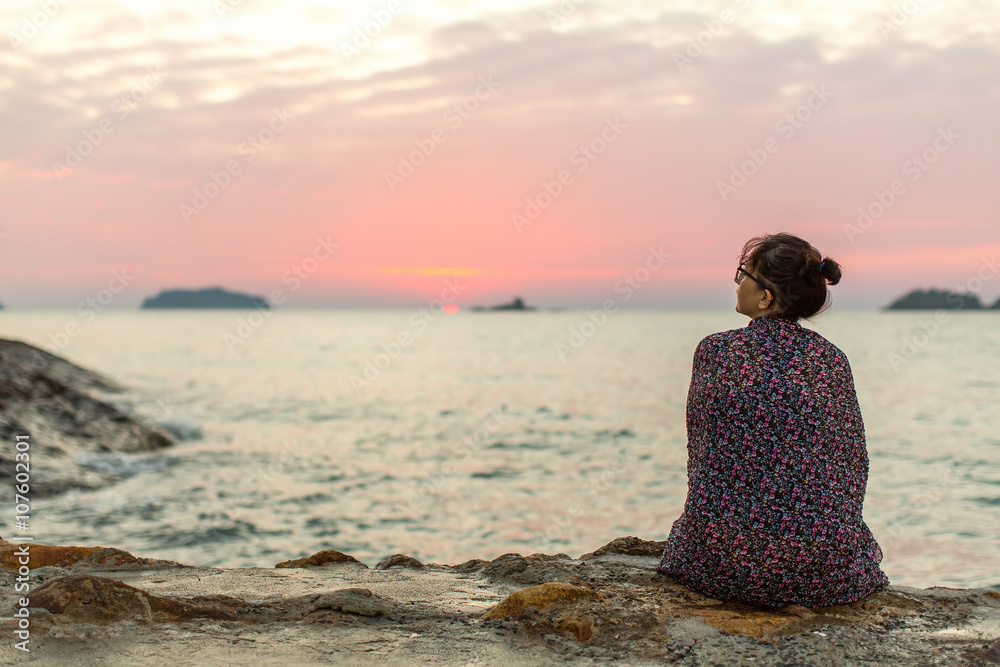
{"type": "Point", "coordinates": [777, 472]}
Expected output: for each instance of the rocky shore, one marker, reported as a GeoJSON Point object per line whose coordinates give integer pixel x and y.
{"type": "Point", "coordinates": [96, 605]}
{"type": "Point", "coordinates": [99, 605]}
{"type": "Point", "coordinates": [71, 417]}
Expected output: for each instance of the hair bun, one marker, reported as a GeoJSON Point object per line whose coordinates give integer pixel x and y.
{"type": "Point", "coordinates": [830, 270]}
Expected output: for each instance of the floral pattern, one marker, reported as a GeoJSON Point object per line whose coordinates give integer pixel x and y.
{"type": "Point", "coordinates": [777, 473]}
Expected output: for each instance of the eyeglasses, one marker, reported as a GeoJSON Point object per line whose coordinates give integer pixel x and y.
{"type": "Point", "coordinates": [740, 272]}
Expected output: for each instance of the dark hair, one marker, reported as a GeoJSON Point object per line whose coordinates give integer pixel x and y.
{"type": "Point", "coordinates": [791, 268]}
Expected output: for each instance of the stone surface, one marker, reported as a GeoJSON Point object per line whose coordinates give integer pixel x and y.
{"type": "Point", "coordinates": [989, 656]}
{"type": "Point", "coordinates": [543, 597]}
{"type": "Point", "coordinates": [356, 601]}
{"type": "Point", "coordinates": [530, 570]}
{"type": "Point", "coordinates": [399, 560]}
{"type": "Point", "coordinates": [89, 599]}
{"type": "Point", "coordinates": [65, 411]}
{"type": "Point", "coordinates": [613, 607]}
{"type": "Point", "coordinates": [631, 546]}
{"type": "Point", "coordinates": [321, 559]}
{"type": "Point", "coordinates": [85, 558]}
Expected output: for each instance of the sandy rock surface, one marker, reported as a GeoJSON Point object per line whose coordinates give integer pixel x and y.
{"type": "Point", "coordinates": [104, 606]}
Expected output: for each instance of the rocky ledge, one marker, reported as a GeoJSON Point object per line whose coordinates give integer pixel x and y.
{"type": "Point", "coordinates": [69, 416]}
{"type": "Point", "coordinates": [96, 605]}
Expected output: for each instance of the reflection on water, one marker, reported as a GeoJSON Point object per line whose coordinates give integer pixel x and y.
{"type": "Point", "coordinates": [478, 439]}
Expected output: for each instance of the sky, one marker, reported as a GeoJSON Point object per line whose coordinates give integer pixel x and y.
{"type": "Point", "coordinates": [380, 153]}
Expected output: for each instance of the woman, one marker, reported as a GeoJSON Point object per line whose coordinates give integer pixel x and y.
{"type": "Point", "coordinates": [777, 464]}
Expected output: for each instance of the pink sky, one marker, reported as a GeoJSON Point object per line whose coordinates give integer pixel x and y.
{"type": "Point", "coordinates": [182, 91]}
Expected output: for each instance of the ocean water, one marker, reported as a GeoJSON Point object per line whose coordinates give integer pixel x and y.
{"type": "Point", "coordinates": [481, 436]}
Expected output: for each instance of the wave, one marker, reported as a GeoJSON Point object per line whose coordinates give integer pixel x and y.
{"type": "Point", "coordinates": [181, 428]}
{"type": "Point", "coordinates": [116, 464]}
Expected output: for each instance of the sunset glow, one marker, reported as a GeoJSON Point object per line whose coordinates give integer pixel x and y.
{"type": "Point", "coordinates": [533, 148]}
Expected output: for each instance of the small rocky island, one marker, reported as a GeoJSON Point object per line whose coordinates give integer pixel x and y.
{"type": "Point", "coordinates": [209, 297]}
{"type": "Point", "coordinates": [516, 304]}
{"type": "Point", "coordinates": [934, 299]}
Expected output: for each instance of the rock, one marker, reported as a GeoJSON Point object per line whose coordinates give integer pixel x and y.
{"type": "Point", "coordinates": [399, 560]}
{"type": "Point", "coordinates": [990, 656]}
{"type": "Point", "coordinates": [354, 601]}
{"type": "Point", "coordinates": [538, 599]}
{"type": "Point", "coordinates": [632, 546]}
{"type": "Point", "coordinates": [533, 569]}
{"type": "Point", "coordinates": [471, 565]}
{"type": "Point", "coordinates": [78, 558]}
{"type": "Point", "coordinates": [321, 559]}
{"type": "Point", "coordinates": [689, 631]}
{"type": "Point", "coordinates": [541, 609]}
{"type": "Point", "coordinates": [89, 599]}
{"type": "Point", "coordinates": [57, 405]}
{"type": "Point", "coordinates": [613, 607]}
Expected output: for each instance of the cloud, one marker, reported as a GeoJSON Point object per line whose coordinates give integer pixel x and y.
{"type": "Point", "coordinates": [686, 133]}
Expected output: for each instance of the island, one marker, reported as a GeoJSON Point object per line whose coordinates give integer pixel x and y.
{"type": "Point", "coordinates": [934, 299]}
{"type": "Point", "coordinates": [516, 304]}
{"type": "Point", "coordinates": [208, 297]}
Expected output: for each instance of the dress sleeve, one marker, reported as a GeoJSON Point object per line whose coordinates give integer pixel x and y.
{"type": "Point", "coordinates": [852, 421]}
{"type": "Point", "coordinates": [702, 369]}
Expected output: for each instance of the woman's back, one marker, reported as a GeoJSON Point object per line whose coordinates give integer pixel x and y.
{"type": "Point", "coordinates": [777, 472]}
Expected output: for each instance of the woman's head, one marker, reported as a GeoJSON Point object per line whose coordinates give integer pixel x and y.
{"type": "Point", "coordinates": [793, 277]}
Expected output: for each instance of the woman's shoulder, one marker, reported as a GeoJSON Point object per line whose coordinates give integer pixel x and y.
{"type": "Point", "coordinates": [717, 344]}
{"type": "Point", "coordinates": [724, 338]}
{"type": "Point", "coordinates": [821, 346]}
{"type": "Point", "coordinates": [713, 340]}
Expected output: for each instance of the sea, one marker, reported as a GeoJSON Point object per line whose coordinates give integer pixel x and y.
{"type": "Point", "coordinates": [475, 434]}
